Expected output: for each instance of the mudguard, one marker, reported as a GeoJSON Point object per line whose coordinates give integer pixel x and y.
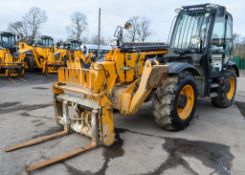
{"type": "Point", "coordinates": [178, 67]}
{"type": "Point", "coordinates": [232, 64]}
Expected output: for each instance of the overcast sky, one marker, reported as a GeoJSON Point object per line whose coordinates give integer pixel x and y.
{"type": "Point", "coordinates": [114, 12]}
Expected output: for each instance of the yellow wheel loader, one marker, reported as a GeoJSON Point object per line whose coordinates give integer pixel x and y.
{"type": "Point", "coordinates": [42, 55]}
{"type": "Point", "coordinates": [11, 62]}
{"type": "Point", "coordinates": [195, 64]}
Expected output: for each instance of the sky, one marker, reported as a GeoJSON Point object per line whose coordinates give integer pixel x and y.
{"type": "Point", "coordinates": [114, 13]}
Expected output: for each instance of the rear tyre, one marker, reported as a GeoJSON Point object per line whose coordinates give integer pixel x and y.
{"type": "Point", "coordinates": [226, 91]}
{"type": "Point", "coordinates": [174, 103]}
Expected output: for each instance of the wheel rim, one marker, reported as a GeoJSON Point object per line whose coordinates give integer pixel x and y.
{"type": "Point", "coordinates": [231, 90]}
{"type": "Point", "coordinates": [185, 110]}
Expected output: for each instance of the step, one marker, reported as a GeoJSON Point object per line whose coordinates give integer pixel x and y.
{"type": "Point", "coordinates": [214, 85]}
{"type": "Point", "coordinates": [213, 94]}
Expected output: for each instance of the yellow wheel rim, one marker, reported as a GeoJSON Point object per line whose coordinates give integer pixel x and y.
{"type": "Point", "coordinates": [185, 110]}
{"type": "Point", "coordinates": [231, 90]}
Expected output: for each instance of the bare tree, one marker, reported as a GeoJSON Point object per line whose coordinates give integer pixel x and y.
{"type": "Point", "coordinates": [140, 30]}
{"type": "Point", "coordinates": [236, 37]}
{"type": "Point", "coordinates": [84, 40]}
{"type": "Point", "coordinates": [94, 40]}
{"type": "Point", "coordinates": [78, 25]}
{"type": "Point", "coordinates": [143, 29]}
{"type": "Point", "coordinates": [132, 32]}
{"type": "Point", "coordinates": [18, 28]}
{"type": "Point", "coordinates": [33, 20]}
{"type": "Point", "coordinates": [239, 45]}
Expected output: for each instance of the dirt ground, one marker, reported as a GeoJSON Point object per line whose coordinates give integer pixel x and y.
{"type": "Point", "coordinates": [213, 144]}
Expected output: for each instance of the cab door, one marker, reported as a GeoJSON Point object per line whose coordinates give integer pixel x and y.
{"type": "Point", "coordinates": [220, 44]}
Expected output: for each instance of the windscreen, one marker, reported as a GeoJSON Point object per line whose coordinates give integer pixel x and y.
{"type": "Point", "coordinates": [7, 41]}
{"type": "Point", "coordinates": [75, 45]}
{"type": "Point", "coordinates": [48, 42]}
{"type": "Point", "coordinates": [189, 25]}
{"type": "Point", "coordinates": [44, 42]}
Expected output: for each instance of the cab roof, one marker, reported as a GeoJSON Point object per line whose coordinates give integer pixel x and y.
{"type": "Point", "coordinates": [7, 33]}
{"type": "Point", "coordinates": [73, 41]}
{"type": "Point", "coordinates": [46, 37]}
{"type": "Point", "coordinates": [203, 7]}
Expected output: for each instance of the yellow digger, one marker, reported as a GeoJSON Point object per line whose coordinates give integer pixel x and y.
{"type": "Point", "coordinates": [195, 64]}
{"type": "Point", "coordinates": [42, 55]}
{"type": "Point", "coordinates": [11, 62]}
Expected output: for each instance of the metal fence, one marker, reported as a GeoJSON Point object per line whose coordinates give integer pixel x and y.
{"type": "Point", "coordinates": [240, 62]}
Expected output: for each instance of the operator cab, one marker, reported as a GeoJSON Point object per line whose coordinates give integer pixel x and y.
{"type": "Point", "coordinates": [73, 45]}
{"type": "Point", "coordinates": [92, 48]}
{"type": "Point", "coordinates": [45, 41]}
{"type": "Point", "coordinates": [202, 36]}
{"type": "Point", "coordinates": [8, 41]}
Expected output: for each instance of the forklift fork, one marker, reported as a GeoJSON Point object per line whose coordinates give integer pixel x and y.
{"type": "Point", "coordinates": [67, 155]}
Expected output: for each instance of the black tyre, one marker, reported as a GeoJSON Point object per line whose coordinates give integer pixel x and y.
{"type": "Point", "coordinates": [65, 59]}
{"type": "Point", "coordinates": [174, 103]}
{"type": "Point", "coordinates": [226, 90]}
{"type": "Point", "coordinates": [30, 62]}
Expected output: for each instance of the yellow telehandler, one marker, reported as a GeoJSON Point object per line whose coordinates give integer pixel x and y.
{"type": "Point", "coordinates": [195, 64]}
{"type": "Point", "coordinates": [11, 62]}
{"type": "Point", "coordinates": [42, 55]}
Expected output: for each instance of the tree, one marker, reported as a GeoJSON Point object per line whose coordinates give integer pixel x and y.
{"type": "Point", "coordinates": [33, 20]}
{"type": "Point", "coordinates": [132, 32]}
{"type": "Point", "coordinates": [236, 37]}
{"type": "Point", "coordinates": [94, 40]}
{"type": "Point", "coordinates": [143, 30]}
{"type": "Point", "coordinates": [238, 45]}
{"type": "Point", "coordinates": [78, 25]}
{"type": "Point", "coordinates": [140, 30]}
{"type": "Point", "coordinates": [18, 28]}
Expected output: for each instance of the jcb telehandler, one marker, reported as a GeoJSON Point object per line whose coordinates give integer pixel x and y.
{"type": "Point", "coordinates": [195, 64]}
{"type": "Point", "coordinates": [11, 62]}
{"type": "Point", "coordinates": [42, 55]}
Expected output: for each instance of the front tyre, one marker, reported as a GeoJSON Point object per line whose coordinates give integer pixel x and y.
{"type": "Point", "coordinates": [31, 65]}
{"type": "Point", "coordinates": [175, 102]}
